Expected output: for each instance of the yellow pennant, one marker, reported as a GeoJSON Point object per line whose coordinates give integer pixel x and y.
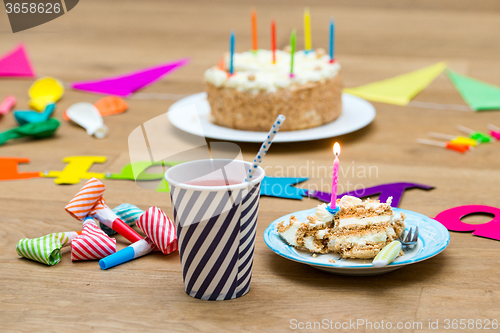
{"type": "Point", "coordinates": [400, 89]}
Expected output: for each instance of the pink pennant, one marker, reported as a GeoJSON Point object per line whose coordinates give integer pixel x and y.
{"type": "Point", "coordinates": [92, 244]}
{"type": "Point", "coordinates": [125, 85]}
{"type": "Point", "coordinates": [16, 63]}
{"type": "Point", "coordinates": [159, 229]}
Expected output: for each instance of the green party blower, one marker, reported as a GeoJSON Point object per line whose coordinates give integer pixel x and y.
{"type": "Point", "coordinates": [37, 130]}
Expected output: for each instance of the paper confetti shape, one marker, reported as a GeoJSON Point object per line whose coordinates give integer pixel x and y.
{"type": "Point", "coordinates": [477, 94]}
{"type": "Point", "coordinates": [125, 85]}
{"type": "Point", "coordinates": [92, 244]}
{"type": "Point", "coordinates": [127, 213]}
{"type": "Point", "coordinates": [159, 229]}
{"type": "Point", "coordinates": [46, 249]}
{"type": "Point", "coordinates": [401, 89]}
{"type": "Point", "coordinates": [16, 63]}
{"type": "Point", "coordinates": [83, 202]}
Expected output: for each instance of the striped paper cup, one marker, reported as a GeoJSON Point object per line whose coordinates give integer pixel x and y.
{"type": "Point", "coordinates": [216, 226]}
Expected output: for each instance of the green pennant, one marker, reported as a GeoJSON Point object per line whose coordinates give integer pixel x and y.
{"type": "Point", "coordinates": [477, 94]}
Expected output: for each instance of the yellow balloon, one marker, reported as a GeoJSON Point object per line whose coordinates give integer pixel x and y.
{"type": "Point", "coordinates": [44, 91]}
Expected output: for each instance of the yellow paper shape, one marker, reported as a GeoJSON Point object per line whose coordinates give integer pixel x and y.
{"type": "Point", "coordinates": [77, 168]}
{"type": "Point", "coordinates": [400, 89]}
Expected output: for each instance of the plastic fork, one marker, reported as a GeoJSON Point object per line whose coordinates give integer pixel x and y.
{"type": "Point", "coordinates": [410, 240]}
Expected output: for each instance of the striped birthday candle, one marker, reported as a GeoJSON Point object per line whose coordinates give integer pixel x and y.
{"type": "Point", "coordinates": [46, 249]}
{"type": "Point", "coordinates": [92, 244]}
{"type": "Point", "coordinates": [127, 213]}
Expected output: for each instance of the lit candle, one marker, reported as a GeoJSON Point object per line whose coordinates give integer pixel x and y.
{"type": "Point", "coordinates": [335, 180]}
{"type": "Point", "coordinates": [307, 30]}
{"type": "Point", "coordinates": [254, 31]}
{"type": "Point", "coordinates": [332, 40]}
{"type": "Point", "coordinates": [273, 39]}
{"type": "Point", "coordinates": [292, 51]}
{"type": "Point", "coordinates": [231, 50]}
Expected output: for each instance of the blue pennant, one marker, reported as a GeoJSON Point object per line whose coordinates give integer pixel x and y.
{"type": "Point", "coordinates": [281, 187]}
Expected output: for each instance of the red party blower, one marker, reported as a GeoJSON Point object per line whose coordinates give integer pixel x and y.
{"type": "Point", "coordinates": [89, 201]}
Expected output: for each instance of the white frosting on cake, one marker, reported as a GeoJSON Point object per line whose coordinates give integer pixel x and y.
{"type": "Point", "coordinates": [322, 215]}
{"type": "Point", "coordinates": [290, 235]}
{"type": "Point", "coordinates": [266, 76]}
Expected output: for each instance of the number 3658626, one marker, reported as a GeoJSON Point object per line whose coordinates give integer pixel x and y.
{"type": "Point", "coordinates": [32, 8]}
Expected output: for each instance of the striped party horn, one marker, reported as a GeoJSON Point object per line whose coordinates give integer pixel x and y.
{"type": "Point", "coordinates": [46, 249]}
{"type": "Point", "coordinates": [127, 213]}
{"type": "Point", "coordinates": [89, 201]}
{"type": "Point", "coordinates": [136, 250]}
{"type": "Point", "coordinates": [92, 244]}
{"type": "Point", "coordinates": [160, 231]}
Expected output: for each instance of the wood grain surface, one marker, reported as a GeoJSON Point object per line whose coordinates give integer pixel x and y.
{"type": "Point", "coordinates": [375, 40]}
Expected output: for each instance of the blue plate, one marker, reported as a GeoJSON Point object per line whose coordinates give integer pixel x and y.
{"type": "Point", "coordinates": [433, 238]}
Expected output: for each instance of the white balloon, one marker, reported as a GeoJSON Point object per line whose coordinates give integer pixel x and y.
{"type": "Point", "coordinates": [86, 115]}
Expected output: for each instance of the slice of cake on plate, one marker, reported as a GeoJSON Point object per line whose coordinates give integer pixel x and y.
{"type": "Point", "coordinates": [360, 229]}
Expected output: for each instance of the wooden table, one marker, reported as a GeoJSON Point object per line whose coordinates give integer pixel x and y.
{"type": "Point", "coordinates": [374, 41]}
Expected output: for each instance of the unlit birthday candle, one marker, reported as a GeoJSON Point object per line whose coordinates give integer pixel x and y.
{"type": "Point", "coordinates": [265, 146]}
{"type": "Point", "coordinates": [89, 201]}
{"type": "Point", "coordinates": [448, 145]}
{"type": "Point", "coordinates": [477, 135]}
{"type": "Point", "coordinates": [160, 234]}
{"type": "Point", "coordinates": [307, 30]}
{"type": "Point", "coordinates": [494, 131]}
{"type": "Point", "coordinates": [460, 140]}
{"type": "Point", "coordinates": [335, 179]}
{"type": "Point", "coordinates": [92, 244]}
{"type": "Point", "coordinates": [46, 249]}
{"type": "Point", "coordinates": [255, 46]}
{"type": "Point", "coordinates": [332, 40]}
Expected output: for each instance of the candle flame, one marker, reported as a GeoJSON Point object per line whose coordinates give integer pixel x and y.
{"type": "Point", "coordinates": [336, 149]}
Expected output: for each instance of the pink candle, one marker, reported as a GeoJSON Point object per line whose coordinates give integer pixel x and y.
{"type": "Point", "coordinates": [335, 180]}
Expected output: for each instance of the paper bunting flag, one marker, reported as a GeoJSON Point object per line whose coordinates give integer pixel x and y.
{"type": "Point", "coordinates": [46, 249]}
{"type": "Point", "coordinates": [401, 89]}
{"type": "Point", "coordinates": [394, 190]}
{"type": "Point", "coordinates": [281, 187]}
{"type": "Point", "coordinates": [125, 85]}
{"type": "Point", "coordinates": [477, 94]}
{"type": "Point", "coordinates": [16, 63]}
{"type": "Point", "coordinates": [127, 213]}
{"type": "Point", "coordinates": [159, 229]}
{"type": "Point", "coordinates": [92, 244]}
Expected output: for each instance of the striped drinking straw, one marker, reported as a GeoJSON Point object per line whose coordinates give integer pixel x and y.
{"type": "Point", "coordinates": [265, 146]}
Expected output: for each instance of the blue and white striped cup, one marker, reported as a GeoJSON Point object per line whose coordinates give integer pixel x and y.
{"type": "Point", "coordinates": [216, 226]}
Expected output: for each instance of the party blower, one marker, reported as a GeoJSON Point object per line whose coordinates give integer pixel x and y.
{"type": "Point", "coordinates": [46, 249]}
{"type": "Point", "coordinates": [89, 201]}
{"type": "Point", "coordinates": [160, 233]}
{"type": "Point", "coordinates": [92, 244]}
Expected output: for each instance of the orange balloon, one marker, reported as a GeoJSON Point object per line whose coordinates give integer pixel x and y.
{"type": "Point", "coordinates": [111, 105]}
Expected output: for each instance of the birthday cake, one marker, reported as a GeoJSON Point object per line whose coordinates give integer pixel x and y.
{"type": "Point", "coordinates": [360, 229]}
{"type": "Point", "coordinates": [258, 90]}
